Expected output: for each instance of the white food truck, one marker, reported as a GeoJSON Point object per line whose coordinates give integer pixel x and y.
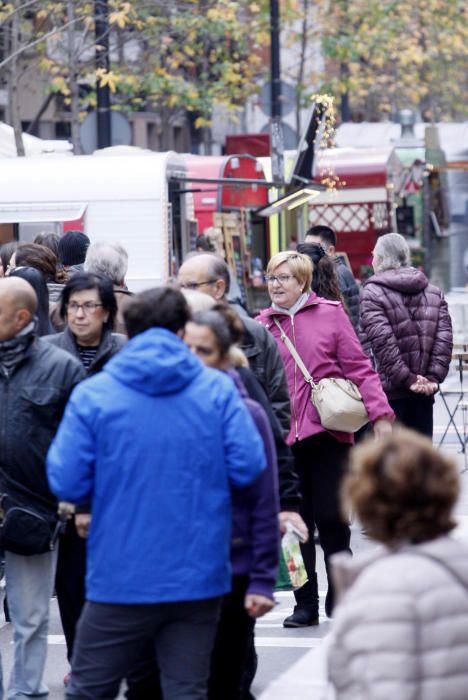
{"type": "Point", "coordinates": [133, 198]}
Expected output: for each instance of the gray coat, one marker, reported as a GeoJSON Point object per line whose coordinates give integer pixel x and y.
{"type": "Point", "coordinates": [110, 344]}
{"type": "Point", "coordinates": [400, 629]}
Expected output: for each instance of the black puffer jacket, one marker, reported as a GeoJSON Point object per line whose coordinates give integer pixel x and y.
{"type": "Point", "coordinates": [110, 344]}
{"type": "Point", "coordinates": [261, 350]}
{"type": "Point", "coordinates": [406, 327]}
{"type": "Point", "coordinates": [32, 401]}
{"type": "Point", "coordinates": [288, 481]}
{"type": "Point", "coordinates": [349, 290]}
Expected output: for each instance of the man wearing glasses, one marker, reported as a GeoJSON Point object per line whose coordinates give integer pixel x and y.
{"type": "Point", "coordinates": [209, 274]}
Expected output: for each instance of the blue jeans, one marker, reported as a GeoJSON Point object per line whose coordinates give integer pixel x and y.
{"type": "Point", "coordinates": [29, 588]}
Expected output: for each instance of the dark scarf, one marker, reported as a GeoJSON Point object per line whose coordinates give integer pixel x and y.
{"type": "Point", "coordinates": [13, 350]}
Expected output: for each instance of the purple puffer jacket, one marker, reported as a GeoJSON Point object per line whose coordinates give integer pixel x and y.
{"type": "Point", "coordinates": [329, 347]}
{"type": "Point", "coordinates": [255, 530]}
{"type": "Point", "coordinates": [405, 324]}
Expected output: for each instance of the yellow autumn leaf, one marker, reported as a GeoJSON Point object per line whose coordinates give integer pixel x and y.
{"type": "Point", "coordinates": [119, 18]}
{"type": "Point", "coordinates": [60, 85]}
{"type": "Point", "coordinates": [200, 122]}
{"type": "Point", "coordinates": [213, 14]}
{"type": "Point", "coordinates": [106, 78]}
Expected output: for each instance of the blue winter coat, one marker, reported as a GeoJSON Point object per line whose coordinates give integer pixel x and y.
{"type": "Point", "coordinates": [154, 442]}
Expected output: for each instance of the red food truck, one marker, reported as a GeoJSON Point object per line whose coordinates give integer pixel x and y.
{"type": "Point", "coordinates": [362, 206]}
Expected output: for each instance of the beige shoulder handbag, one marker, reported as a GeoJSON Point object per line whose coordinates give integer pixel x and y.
{"type": "Point", "coordinates": [338, 401]}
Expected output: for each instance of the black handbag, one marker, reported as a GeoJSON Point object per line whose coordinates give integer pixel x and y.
{"type": "Point", "coordinates": [29, 523]}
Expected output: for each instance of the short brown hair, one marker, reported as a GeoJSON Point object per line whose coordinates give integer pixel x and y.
{"type": "Point", "coordinates": [38, 256]}
{"type": "Point", "coordinates": [299, 264]}
{"type": "Point", "coordinates": [402, 488]}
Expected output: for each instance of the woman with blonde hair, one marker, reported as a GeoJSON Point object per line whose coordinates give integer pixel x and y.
{"type": "Point", "coordinates": [325, 340]}
{"type": "Point", "coordinates": [401, 623]}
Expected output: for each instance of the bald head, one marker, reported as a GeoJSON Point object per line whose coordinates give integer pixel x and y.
{"type": "Point", "coordinates": [205, 272]}
{"type": "Point", "coordinates": [18, 304]}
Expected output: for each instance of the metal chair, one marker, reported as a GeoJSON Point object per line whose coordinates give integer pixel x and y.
{"type": "Point", "coordinates": [460, 357]}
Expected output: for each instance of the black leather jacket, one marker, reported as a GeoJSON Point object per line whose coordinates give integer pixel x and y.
{"type": "Point", "coordinates": [288, 481]}
{"type": "Point", "coordinates": [265, 361]}
{"type": "Point", "coordinates": [350, 291]}
{"type": "Point", "coordinates": [32, 401]}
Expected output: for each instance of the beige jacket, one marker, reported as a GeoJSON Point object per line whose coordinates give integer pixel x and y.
{"type": "Point", "coordinates": [401, 626]}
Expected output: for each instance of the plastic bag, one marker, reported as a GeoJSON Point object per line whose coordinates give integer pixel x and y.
{"type": "Point", "coordinates": [293, 557]}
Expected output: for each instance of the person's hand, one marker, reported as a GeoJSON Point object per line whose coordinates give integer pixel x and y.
{"type": "Point", "coordinates": [257, 605]}
{"type": "Point", "coordinates": [82, 523]}
{"type": "Point", "coordinates": [420, 385]}
{"type": "Point", "coordinates": [382, 428]}
{"type": "Point", "coordinates": [295, 520]}
{"type": "Point", "coordinates": [424, 386]}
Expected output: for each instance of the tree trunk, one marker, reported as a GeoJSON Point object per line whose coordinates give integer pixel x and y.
{"type": "Point", "coordinates": [13, 76]}
{"type": "Point", "coordinates": [300, 74]}
{"type": "Point", "coordinates": [73, 79]}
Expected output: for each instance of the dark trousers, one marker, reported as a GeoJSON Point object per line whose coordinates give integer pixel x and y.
{"type": "Point", "coordinates": [320, 463]}
{"type": "Point", "coordinates": [415, 412]}
{"type": "Point", "coordinates": [232, 645]}
{"type": "Point", "coordinates": [234, 637]}
{"type": "Point", "coordinates": [70, 581]}
{"type": "Point", "coordinates": [112, 639]}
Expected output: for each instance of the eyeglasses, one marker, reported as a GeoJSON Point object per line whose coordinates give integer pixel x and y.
{"type": "Point", "coordinates": [281, 279]}
{"type": "Point", "coordinates": [202, 350]}
{"type": "Point", "coordinates": [195, 285]}
{"type": "Point", "coordinates": [88, 307]}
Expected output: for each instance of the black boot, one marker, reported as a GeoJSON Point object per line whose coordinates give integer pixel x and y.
{"type": "Point", "coordinates": [306, 610]}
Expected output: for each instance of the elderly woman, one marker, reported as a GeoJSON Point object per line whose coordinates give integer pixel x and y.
{"type": "Point", "coordinates": [323, 336]}
{"type": "Point", "coordinates": [401, 623]}
{"type": "Point", "coordinates": [88, 306]}
{"type": "Point", "coordinates": [407, 330]}
{"type": "Point", "coordinates": [110, 259]}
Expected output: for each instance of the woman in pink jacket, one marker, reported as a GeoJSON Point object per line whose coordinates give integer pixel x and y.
{"type": "Point", "coordinates": [322, 333]}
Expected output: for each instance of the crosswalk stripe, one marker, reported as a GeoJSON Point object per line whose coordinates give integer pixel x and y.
{"type": "Point", "coordinates": [299, 642]}
{"type": "Point", "coordinates": [290, 594]}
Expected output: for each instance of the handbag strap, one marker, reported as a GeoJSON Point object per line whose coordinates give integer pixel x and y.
{"type": "Point", "coordinates": [297, 358]}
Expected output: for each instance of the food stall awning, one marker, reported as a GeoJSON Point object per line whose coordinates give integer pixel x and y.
{"type": "Point", "coordinates": [289, 201]}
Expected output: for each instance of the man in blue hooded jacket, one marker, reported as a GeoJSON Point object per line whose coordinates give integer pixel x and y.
{"type": "Point", "coordinates": [154, 443]}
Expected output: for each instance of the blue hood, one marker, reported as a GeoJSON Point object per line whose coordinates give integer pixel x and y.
{"type": "Point", "coordinates": [155, 362]}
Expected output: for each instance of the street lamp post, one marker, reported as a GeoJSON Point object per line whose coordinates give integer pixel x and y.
{"type": "Point", "coordinates": [101, 19]}
{"type": "Point", "coordinates": [277, 146]}
{"type": "Point", "coordinates": [277, 143]}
